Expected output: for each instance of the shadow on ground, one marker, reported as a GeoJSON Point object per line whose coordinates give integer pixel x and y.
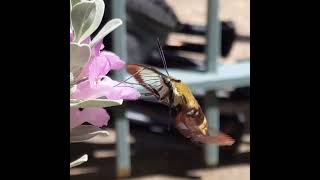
{"type": "Point", "coordinates": [166, 154]}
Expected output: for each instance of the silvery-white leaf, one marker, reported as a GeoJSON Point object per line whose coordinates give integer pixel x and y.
{"type": "Point", "coordinates": [71, 78]}
{"type": "Point", "coordinates": [72, 90]}
{"type": "Point", "coordinates": [96, 103]}
{"type": "Point", "coordinates": [99, 11]}
{"type": "Point", "coordinates": [74, 102]}
{"type": "Point", "coordinates": [74, 2]}
{"type": "Point", "coordinates": [109, 27]}
{"type": "Point", "coordinates": [82, 17]}
{"type": "Point", "coordinates": [79, 161]}
{"type": "Point", "coordinates": [85, 132]}
{"type": "Point", "coordinates": [79, 56]}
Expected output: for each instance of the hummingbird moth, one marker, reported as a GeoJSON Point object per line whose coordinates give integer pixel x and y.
{"type": "Point", "coordinates": [189, 117]}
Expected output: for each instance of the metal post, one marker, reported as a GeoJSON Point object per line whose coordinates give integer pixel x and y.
{"type": "Point", "coordinates": [212, 114]}
{"type": "Point", "coordinates": [122, 124]}
{"type": "Point", "coordinates": [213, 35]}
{"type": "Point", "coordinates": [213, 53]}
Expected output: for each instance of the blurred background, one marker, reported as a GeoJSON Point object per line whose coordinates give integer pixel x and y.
{"type": "Point", "coordinates": [155, 151]}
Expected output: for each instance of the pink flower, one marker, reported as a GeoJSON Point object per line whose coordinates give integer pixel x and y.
{"type": "Point", "coordinates": [99, 64]}
{"type": "Point", "coordinates": [105, 88]}
{"type": "Point", "coordinates": [98, 85]}
{"type": "Point", "coordinates": [95, 116]}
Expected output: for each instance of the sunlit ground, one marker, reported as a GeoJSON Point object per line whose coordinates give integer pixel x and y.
{"type": "Point", "coordinates": [158, 156]}
{"type": "Point", "coordinates": [194, 12]}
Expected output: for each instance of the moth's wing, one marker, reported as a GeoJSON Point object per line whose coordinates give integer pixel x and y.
{"type": "Point", "coordinates": [150, 79]}
{"type": "Point", "coordinates": [217, 137]}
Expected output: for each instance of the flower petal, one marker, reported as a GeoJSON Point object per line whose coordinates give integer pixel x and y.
{"type": "Point", "coordinates": [71, 36]}
{"type": "Point", "coordinates": [95, 116]}
{"type": "Point", "coordinates": [105, 88]}
{"type": "Point", "coordinates": [97, 48]}
{"type": "Point", "coordinates": [119, 91]}
{"type": "Point", "coordinates": [86, 91]}
{"type": "Point", "coordinates": [115, 62]}
{"type": "Point", "coordinates": [127, 93]}
{"type": "Point", "coordinates": [75, 118]}
{"type": "Point", "coordinates": [99, 67]}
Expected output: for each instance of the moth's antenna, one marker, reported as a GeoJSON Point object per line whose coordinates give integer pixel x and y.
{"type": "Point", "coordinates": [165, 67]}
{"type": "Point", "coordinates": [162, 56]}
